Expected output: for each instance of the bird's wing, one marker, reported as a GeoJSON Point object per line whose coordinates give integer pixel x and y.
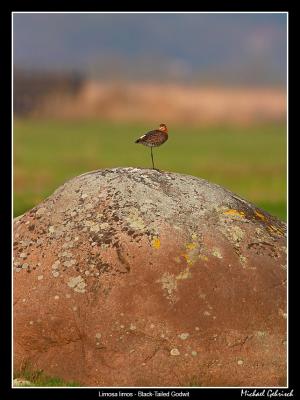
{"type": "Point", "coordinates": [153, 135]}
{"type": "Point", "coordinates": [154, 138]}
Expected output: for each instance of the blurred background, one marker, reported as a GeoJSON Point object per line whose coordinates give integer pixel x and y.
{"type": "Point", "coordinates": [86, 85]}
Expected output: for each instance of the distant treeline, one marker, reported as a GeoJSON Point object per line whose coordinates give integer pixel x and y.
{"type": "Point", "coordinates": [30, 88]}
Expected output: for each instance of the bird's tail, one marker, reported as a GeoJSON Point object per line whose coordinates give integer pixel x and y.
{"type": "Point", "coordinates": [137, 141]}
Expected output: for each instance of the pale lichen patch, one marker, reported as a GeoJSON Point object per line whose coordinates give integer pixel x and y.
{"type": "Point", "coordinates": [68, 245]}
{"type": "Point", "coordinates": [261, 334]}
{"type": "Point", "coordinates": [95, 228]}
{"type": "Point", "coordinates": [41, 211]}
{"type": "Point", "coordinates": [184, 336]}
{"type": "Point", "coordinates": [284, 249]}
{"type": "Point", "coordinates": [282, 313]}
{"type": "Point", "coordinates": [175, 352]}
{"type": "Point", "coordinates": [243, 260]}
{"type": "Point", "coordinates": [55, 265]}
{"type": "Point", "coordinates": [135, 221]}
{"type": "Point", "coordinates": [234, 234]}
{"type": "Point", "coordinates": [169, 283]}
{"type": "Point", "coordinates": [216, 252]}
{"type": "Point", "coordinates": [77, 284]}
{"type": "Point", "coordinates": [185, 274]}
{"type": "Point", "coordinates": [65, 254]}
{"type": "Point", "coordinates": [69, 263]}
{"type": "Point", "coordinates": [26, 243]}
{"type": "Point", "coordinates": [258, 231]}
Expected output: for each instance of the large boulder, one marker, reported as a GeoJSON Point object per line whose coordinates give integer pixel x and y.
{"type": "Point", "coordinates": [138, 277]}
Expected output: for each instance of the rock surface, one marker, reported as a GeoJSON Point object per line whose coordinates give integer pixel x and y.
{"type": "Point", "coordinates": [132, 277]}
{"type": "Point", "coordinates": [22, 382]}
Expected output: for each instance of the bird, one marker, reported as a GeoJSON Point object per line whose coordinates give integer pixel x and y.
{"type": "Point", "coordinates": [154, 138]}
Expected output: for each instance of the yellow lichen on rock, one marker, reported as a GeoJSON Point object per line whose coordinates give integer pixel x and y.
{"type": "Point", "coordinates": [235, 213]}
{"type": "Point", "coordinates": [191, 246]}
{"type": "Point", "coordinates": [259, 215]}
{"type": "Point", "coordinates": [192, 252]}
{"type": "Point", "coordinates": [274, 229]}
{"type": "Point", "coordinates": [155, 243]}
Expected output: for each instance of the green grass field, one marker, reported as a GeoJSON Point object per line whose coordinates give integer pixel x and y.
{"type": "Point", "coordinates": [250, 161]}
{"type": "Point", "coordinates": [38, 378]}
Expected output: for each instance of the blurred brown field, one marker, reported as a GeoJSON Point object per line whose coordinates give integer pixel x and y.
{"type": "Point", "coordinates": [175, 103]}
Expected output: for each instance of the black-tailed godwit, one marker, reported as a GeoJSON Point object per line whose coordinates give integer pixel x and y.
{"type": "Point", "coordinates": [154, 138]}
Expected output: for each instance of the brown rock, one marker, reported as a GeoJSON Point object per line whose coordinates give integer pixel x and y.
{"type": "Point", "coordinates": [146, 278]}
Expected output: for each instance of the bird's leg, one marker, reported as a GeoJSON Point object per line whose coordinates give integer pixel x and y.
{"type": "Point", "coordinates": [152, 158]}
